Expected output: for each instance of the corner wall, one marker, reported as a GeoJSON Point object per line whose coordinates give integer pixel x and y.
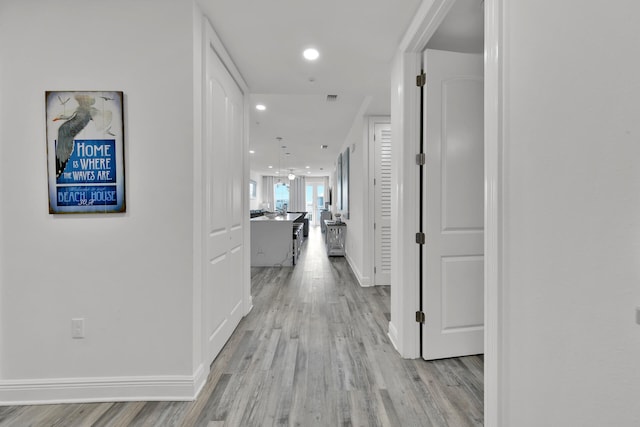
{"type": "Point", "coordinates": [130, 276]}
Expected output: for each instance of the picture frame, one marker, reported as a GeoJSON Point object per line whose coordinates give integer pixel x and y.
{"type": "Point", "coordinates": [253, 189]}
{"type": "Point", "coordinates": [339, 182]}
{"type": "Point", "coordinates": [85, 151]}
{"type": "Point", "coordinates": [344, 184]}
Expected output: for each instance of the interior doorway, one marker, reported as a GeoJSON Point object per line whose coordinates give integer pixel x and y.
{"type": "Point", "coordinates": [451, 189]}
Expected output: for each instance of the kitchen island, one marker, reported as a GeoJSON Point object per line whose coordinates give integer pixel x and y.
{"type": "Point", "coordinates": [272, 240]}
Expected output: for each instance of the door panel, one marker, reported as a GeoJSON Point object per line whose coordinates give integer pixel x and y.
{"type": "Point", "coordinates": [453, 282]}
{"type": "Point", "coordinates": [222, 288]}
{"type": "Point", "coordinates": [235, 160]}
{"type": "Point", "coordinates": [216, 159]}
{"type": "Point", "coordinates": [462, 173]}
{"type": "Point", "coordinates": [460, 281]}
{"type": "Point", "coordinates": [235, 301]}
{"type": "Point", "coordinates": [217, 267]}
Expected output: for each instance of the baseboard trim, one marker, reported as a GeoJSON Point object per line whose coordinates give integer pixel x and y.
{"type": "Point", "coordinates": [363, 281]}
{"type": "Point", "coordinates": [248, 305]}
{"type": "Point", "coordinates": [102, 389]}
{"type": "Point", "coordinates": [393, 336]}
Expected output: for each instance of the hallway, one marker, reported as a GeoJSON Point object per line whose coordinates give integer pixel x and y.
{"type": "Point", "coordinates": [313, 351]}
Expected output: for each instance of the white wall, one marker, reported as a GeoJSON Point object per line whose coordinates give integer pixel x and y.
{"type": "Point", "coordinates": [128, 275]}
{"type": "Point", "coordinates": [356, 142]}
{"type": "Point", "coordinates": [572, 212]}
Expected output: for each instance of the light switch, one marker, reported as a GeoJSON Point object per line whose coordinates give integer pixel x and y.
{"type": "Point", "coordinates": [77, 328]}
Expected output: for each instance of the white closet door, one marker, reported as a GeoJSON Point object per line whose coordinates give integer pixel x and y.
{"type": "Point", "coordinates": [382, 203]}
{"type": "Point", "coordinates": [223, 275]}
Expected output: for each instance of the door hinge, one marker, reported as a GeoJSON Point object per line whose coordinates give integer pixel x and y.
{"type": "Point", "coordinates": [420, 317]}
{"type": "Point", "coordinates": [421, 238]}
{"type": "Point", "coordinates": [374, 225]}
{"type": "Point", "coordinates": [374, 181]}
{"type": "Point", "coordinates": [421, 159]}
{"type": "Point", "coordinates": [375, 270]}
{"type": "Point", "coordinates": [421, 80]}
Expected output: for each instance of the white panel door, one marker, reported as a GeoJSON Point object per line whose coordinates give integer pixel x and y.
{"type": "Point", "coordinates": [453, 282]}
{"type": "Point", "coordinates": [382, 203]}
{"type": "Point", "coordinates": [222, 288]}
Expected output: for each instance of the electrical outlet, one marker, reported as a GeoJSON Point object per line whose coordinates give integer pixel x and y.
{"type": "Point", "coordinates": [77, 328]}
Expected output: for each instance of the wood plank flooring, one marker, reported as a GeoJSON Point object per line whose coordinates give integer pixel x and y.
{"type": "Point", "coordinates": [314, 351]}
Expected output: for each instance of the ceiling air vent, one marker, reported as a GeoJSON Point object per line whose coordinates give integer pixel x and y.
{"type": "Point", "coordinates": [332, 98]}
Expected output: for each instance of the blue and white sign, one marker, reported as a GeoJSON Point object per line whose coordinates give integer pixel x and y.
{"type": "Point", "coordinates": [85, 147]}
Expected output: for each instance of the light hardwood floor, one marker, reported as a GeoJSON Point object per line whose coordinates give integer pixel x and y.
{"type": "Point", "coordinates": [313, 351]}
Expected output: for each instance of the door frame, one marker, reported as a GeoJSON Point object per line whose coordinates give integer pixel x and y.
{"type": "Point", "coordinates": [403, 330]}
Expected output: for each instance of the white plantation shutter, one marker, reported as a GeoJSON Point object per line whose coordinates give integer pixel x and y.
{"type": "Point", "coordinates": [383, 203]}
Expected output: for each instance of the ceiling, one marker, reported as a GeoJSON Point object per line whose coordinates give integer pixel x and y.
{"type": "Point", "coordinates": [356, 39]}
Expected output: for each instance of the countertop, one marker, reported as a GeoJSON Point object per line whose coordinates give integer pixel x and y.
{"type": "Point", "coordinates": [286, 217]}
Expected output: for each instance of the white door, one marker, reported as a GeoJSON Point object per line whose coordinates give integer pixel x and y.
{"type": "Point", "coordinates": [223, 276]}
{"type": "Point", "coordinates": [382, 203]}
{"type": "Point", "coordinates": [453, 283]}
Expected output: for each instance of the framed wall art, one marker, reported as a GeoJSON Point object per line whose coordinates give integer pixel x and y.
{"type": "Point", "coordinates": [339, 182]}
{"type": "Point", "coordinates": [85, 151]}
{"type": "Point", "coordinates": [253, 189]}
{"type": "Point", "coordinates": [344, 184]}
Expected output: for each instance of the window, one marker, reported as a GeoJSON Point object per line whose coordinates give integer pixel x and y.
{"type": "Point", "coordinates": [281, 196]}
{"type": "Point", "coordinates": [315, 201]}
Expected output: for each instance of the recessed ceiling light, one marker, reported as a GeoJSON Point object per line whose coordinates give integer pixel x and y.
{"type": "Point", "coordinates": [270, 167]}
{"type": "Point", "coordinates": [307, 167]}
{"type": "Point", "coordinates": [252, 152]}
{"type": "Point", "coordinates": [260, 107]}
{"type": "Point", "coordinates": [311, 54]}
{"type": "Point", "coordinates": [308, 172]}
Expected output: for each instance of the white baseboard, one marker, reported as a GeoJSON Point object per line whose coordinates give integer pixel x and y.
{"type": "Point", "coordinates": [105, 389]}
{"type": "Point", "coordinates": [364, 281]}
{"type": "Point", "coordinates": [393, 336]}
{"type": "Point", "coordinates": [248, 305]}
